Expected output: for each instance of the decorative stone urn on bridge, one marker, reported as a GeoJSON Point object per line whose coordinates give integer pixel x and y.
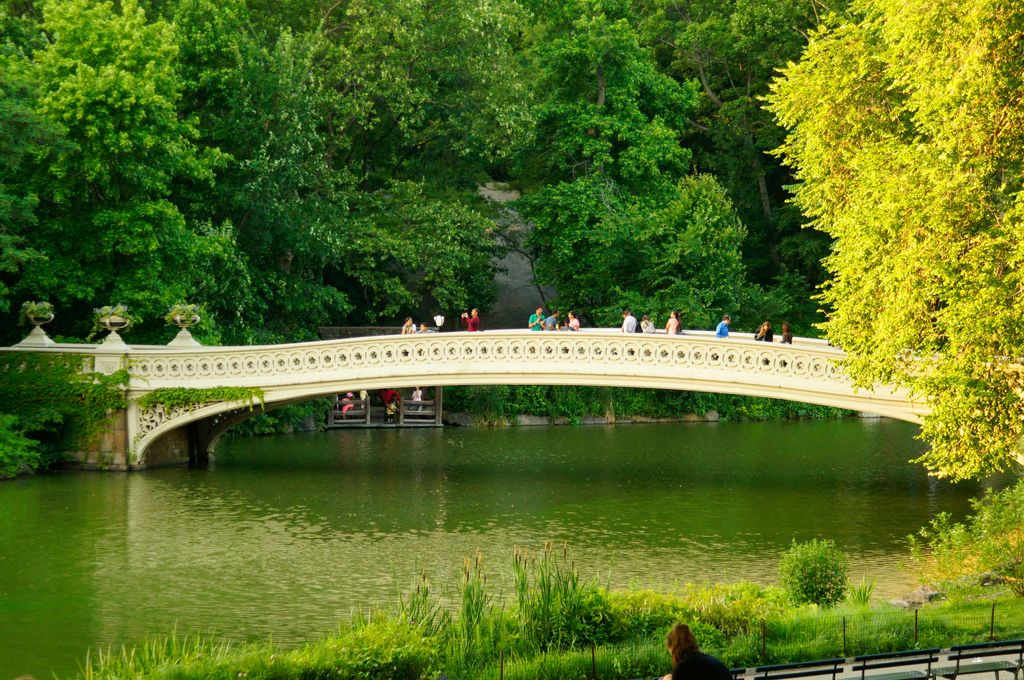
{"type": "Point", "coordinates": [38, 313]}
{"type": "Point", "coordinates": [183, 316]}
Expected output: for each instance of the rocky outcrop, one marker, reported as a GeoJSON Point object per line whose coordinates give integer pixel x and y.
{"type": "Point", "coordinates": [920, 596]}
{"type": "Point", "coordinates": [457, 419]}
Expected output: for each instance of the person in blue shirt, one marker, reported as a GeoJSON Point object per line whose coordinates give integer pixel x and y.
{"type": "Point", "coordinates": [723, 328]}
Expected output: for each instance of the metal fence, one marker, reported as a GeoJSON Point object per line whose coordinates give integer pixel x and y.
{"type": "Point", "coordinates": [798, 638]}
{"type": "Point", "coordinates": [830, 635]}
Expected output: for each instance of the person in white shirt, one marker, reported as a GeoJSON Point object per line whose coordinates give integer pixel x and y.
{"type": "Point", "coordinates": [628, 322]}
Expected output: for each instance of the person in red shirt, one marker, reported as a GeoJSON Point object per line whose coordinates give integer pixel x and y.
{"type": "Point", "coordinates": [389, 395]}
{"type": "Point", "coordinates": [473, 324]}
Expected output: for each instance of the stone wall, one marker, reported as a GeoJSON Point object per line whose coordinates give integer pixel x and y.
{"type": "Point", "coordinates": [170, 449]}
{"type": "Point", "coordinates": [109, 451]}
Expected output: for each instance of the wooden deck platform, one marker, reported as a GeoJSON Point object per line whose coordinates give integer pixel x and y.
{"type": "Point", "coordinates": [370, 413]}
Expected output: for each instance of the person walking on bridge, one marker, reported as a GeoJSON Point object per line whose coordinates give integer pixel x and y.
{"type": "Point", "coordinates": [723, 328]}
{"type": "Point", "coordinates": [628, 321]}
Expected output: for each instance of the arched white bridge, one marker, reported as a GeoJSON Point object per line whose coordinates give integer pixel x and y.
{"type": "Point", "coordinates": [807, 371]}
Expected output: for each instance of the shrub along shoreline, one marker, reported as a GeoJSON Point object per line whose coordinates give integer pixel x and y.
{"type": "Point", "coordinates": [557, 625]}
{"type": "Point", "coordinates": [501, 405]}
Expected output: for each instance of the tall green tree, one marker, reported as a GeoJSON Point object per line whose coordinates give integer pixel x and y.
{"type": "Point", "coordinates": [24, 136]}
{"type": "Point", "coordinates": [260, 100]}
{"type": "Point", "coordinates": [425, 97]}
{"type": "Point", "coordinates": [106, 230]}
{"type": "Point", "coordinates": [617, 220]}
{"type": "Point", "coordinates": [347, 152]}
{"type": "Point", "coordinates": [905, 131]}
{"type": "Point", "coordinates": [733, 48]}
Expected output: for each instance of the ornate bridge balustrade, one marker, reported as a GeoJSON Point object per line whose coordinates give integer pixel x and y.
{"type": "Point", "coordinates": [807, 371]}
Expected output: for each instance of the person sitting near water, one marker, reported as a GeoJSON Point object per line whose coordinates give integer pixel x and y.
{"type": "Point", "coordinates": [765, 333]}
{"type": "Point", "coordinates": [688, 662]}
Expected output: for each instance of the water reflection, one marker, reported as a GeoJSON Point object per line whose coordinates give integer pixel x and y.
{"type": "Point", "coordinates": [289, 534]}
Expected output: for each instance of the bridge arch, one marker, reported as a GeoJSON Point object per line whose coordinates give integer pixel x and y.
{"type": "Point", "coordinates": [807, 371]}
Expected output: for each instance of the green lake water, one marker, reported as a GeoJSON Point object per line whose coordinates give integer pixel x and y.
{"type": "Point", "coordinates": [286, 535]}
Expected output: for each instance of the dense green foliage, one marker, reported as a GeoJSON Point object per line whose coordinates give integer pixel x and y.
{"type": "Point", "coordinates": [48, 407]}
{"type": "Point", "coordinates": [497, 404]}
{"type": "Point", "coordinates": [287, 165]}
{"type": "Point", "coordinates": [558, 625]}
{"type": "Point", "coordinates": [989, 542]}
{"type": "Point", "coordinates": [17, 452]}
{"type": "Point", "coordinates": [170, 397]}
{"type": "Point", "coordinates": [733, 49]}
{"type": "Point", "coordinates": [905, 131]}
{"type": "Point", "coordinates": [815, 572]}
{"type": "Point", "coordinates": [258, 160]}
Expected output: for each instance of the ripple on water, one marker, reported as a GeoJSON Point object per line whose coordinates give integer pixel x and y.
{"type": "Point", "coordinates": [290, 534]}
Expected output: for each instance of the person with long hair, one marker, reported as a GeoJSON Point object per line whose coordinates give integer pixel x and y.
{"type": "Point", "coordinates": [672, 327]}
{"type": "Point", "coordinates": [688, 662]}
{"type": "Point", "coordinates": [765, 333]}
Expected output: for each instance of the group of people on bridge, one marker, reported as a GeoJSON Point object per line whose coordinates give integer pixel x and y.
{"type": "Point", "coordinates": [554, 321]}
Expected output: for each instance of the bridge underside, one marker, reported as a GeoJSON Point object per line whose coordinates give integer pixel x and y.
{"type": "Point", "coordinates": [196, 434]}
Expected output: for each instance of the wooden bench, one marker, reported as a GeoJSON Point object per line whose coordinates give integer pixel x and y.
{"type": "Point", "coordinates": [970, 659]}
{"type": "Point", "coordinates": [804, 669]}
{"type": "Point", "coordinates": [737, 673]}
{"type": "Point", "coordinates": [893, 661]}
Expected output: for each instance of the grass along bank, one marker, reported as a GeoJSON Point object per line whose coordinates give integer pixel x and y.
{"type": "Point", "coordinates": [557, 625]}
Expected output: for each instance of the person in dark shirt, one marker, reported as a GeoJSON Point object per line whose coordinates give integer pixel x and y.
{"type": "Point", "coordinates": [765, 333]}
{"type": "Point", "coordinates": [688, 662]}
{"type": "Point", "coordinates": [787, 334]}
